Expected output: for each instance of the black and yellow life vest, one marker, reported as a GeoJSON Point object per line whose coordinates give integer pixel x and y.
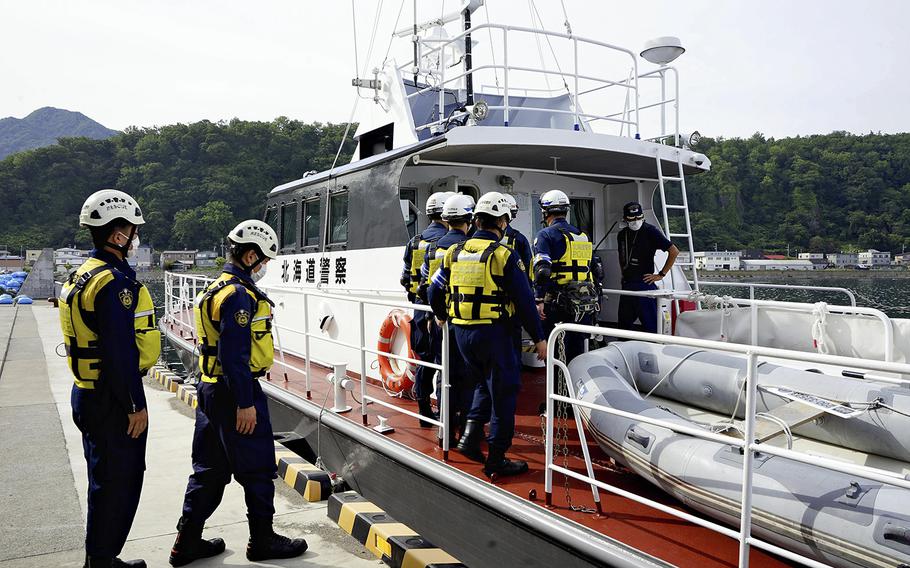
{"type": "Point", "coordinates": [418, 253]}
{"type": "Point", "coordinates": [207, 316]}
{"type": "Point", "coordinates": [476, 282]}
{"type": "Point", "coordinates": [575, 264]}
{"type": "Point", "coordinates": [80, 325]}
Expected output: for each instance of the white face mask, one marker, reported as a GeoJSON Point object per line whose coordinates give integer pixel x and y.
{"type": "Point", "coordinates": [257, 276]}
{"type": "Point", "coordinates": [134, 245]}
{"type": "Point", "coordinates": [636, 225]}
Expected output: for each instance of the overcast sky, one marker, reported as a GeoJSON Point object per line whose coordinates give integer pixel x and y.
{"type": "Point", "coordinates": [782, 67]}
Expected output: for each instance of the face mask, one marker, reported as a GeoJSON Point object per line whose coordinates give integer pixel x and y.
{"type": "Point", "coordinates": [134, 250]}
{"type": "Point", "coordinates": [257, 276]}
{"type": "Point", "coordinates": [131, 248]}
{"type": "Point", "coordinates": [636, 225]}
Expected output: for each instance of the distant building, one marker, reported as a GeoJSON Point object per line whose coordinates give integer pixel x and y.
{"type": "Point", "coordinates": [206, 258]}
{"type": "Point", "coordinates": [142, 259]}
{"type": "Point", "coordinates": [11, 262]}
{"type": "Point", "coordinates": [31, 255]}
{"type": "Point", "coordinates": [773, 257]}
{"type": "Point", "coordinates": [777, 264]}
{"type": "Point", "coordinates": [751, 254]}
{"type": "Point", "coordinates": [874, 258]}
{"type": "Point", "coordinates": [902, 259]}
{"type": "Point", "coordinates": [811, 256]}
{"type": "Point", "coordinates": [68, 256]}
{"type": "Point", "coordinates": [178, 259]}
{"type": "Point", "coordinates": [717, 260]}
{"type": "Point", "coordinates": [843, 259]}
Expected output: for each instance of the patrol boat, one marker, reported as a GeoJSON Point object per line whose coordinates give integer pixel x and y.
{"type": "Point", "coordinates": [468, 107]}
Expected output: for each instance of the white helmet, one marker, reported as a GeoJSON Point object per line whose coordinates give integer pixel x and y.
{"type": "Point", "coordinates": [256, 232]}
{"type": "Point", "coordinates": [105, 205]}
{"type": "Point", "coordinates": [459, 207]}
{"type": "Point", "coordinates": [494, 204]}
{"type": "Point", "coordinates": [554, 201]}
{"type": "Point", "coordinates": [513, 205]}
{"type": "Point", "coordinates": [436, 201]}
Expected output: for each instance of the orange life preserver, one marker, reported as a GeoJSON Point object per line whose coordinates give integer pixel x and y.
{"type": "Point", "coordinates": [397, 375]}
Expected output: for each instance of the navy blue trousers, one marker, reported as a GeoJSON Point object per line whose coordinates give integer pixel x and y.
{"type": "Point", "coordinates": [633, 308]}
{"type": "Point", "coordinates": [116, 467]}
{"type": "Point", "coordinates": [426, 341]}
{"type": "Point", "coordinates": [220, 452]}
{"type": "Point", "coordinates": [574, 342]}
{"type": "Point", "coordinates": [489, 356]}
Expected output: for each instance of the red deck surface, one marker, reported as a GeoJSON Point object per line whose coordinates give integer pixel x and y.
{"type": "Point", "coordinates": [654, 532]}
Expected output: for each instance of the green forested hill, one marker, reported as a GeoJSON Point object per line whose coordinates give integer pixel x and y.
{"type": "Point", "coordinates": [194, 181]}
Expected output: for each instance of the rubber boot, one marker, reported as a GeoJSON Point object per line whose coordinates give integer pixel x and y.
{"type": "Point", "coordinates": [190, 545]}
{"type": "Point", "coordinates": [104, 562]}
{"type": "Point", "coordinates": [469, 444]}
{"type": "Point", "coordinates": [266, 544]}
{"type": "Point", "coordinates": [426, 409]}
{"type": "Point", "coordinates": [498, 465]}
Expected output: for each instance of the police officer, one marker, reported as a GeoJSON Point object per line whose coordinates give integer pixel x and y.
{"type": "Point", "coordinates": [109, 331]}
{"type": "Point", "coordinates": [457, 212]}
{"type": "Point", "coordinates": [564, 284]}
{"type": "Point", "coordinates": [638, 243]}
{"type": "Point", "coordinates": [233, 433]}
{"type": "Point", "coordinates": [513, 238]}
{"type": "Point", "coordinates": [479, 287]}
{"type": "Point", "coordinates": [423, 341]}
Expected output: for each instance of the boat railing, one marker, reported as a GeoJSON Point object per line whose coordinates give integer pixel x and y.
{"type": "Point", "coordinates": [579, 84]}
{"type": "Point", "coordinates": [748, 446]}
{"type": "Point", "coordinates": [181, 289]}
{"type": "Point", "coordinates": [752, 286]}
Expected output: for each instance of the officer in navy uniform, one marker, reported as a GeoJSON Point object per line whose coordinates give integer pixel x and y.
{"type": "Point", "coordinates": [233, 435]}
{"type": "Point", "coordinates": [424, 341]}
{"type": "Point", "coordinates": [514, 239]}
{"type": "Point", "coordinates": [563, 260]}
{"type": "Point", "coordinates": [102, 307]}
{"type": "Point", "coordinates": [638, 243]}
{"type": "Point", "coordinates": [457, 212]}
{"type": "Point", "coordinates": [479, 287]}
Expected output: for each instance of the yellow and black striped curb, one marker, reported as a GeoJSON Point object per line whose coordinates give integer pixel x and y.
{"type": "Point", "coordinates": [312, 483]}
{"type": "Point", "coordinates": [187, 393]}
{"type": "Point", "coordinates": [168, 379]}
{"type": "Point", "coordinates": [394, 543]}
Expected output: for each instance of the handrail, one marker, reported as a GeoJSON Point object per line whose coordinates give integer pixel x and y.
{"type": "Point", "coordinates": [176, 304]}
{"type": "Point", "coordinates": [749, 446]}
{"type": "Point", "coordinates": [753, 285]}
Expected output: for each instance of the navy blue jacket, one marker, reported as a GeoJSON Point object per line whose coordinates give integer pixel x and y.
{"type": "Point", "coordinates": [514, 282]}
{"type": "Point", "coordinates": [117, 334]}
{"type": "Point", "coordinates": [453, 237]}
{"type": "Point", "coordinates": [235, 343]}
{"type": "Point", "coordinates": [434, 231]}
{"type": "Point", "coordinates": [521, 246]}
{"type": "Point", "coordinates": [549, 246]}
{"type": "Point", "coordinates": [636, 251]}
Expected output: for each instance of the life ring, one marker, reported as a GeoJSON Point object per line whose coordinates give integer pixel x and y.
{"type": "Point", "coordinates": [397, 375]}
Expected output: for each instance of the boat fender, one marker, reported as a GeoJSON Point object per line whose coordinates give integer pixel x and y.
{"type": "Point", "coordinates": [397, 379]}
{"type": "Point", "coordinates": [326, 317]}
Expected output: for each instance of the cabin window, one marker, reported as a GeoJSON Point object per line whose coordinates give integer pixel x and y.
{"type": "Point", "coordinates": [407, 197]}
{"type": "Point", "coordinates": [338, 219]}
{"type": "Point", "coordinates": [581, 214]}
{"type": "Point", "coordinates": [271, 218]}
{"type": "Point", "coordinates": [289, 226]}
{"type": "Point", "coordinates": [312, 212]}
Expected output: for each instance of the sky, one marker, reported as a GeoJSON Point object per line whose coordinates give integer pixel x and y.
{"type": "Point", "coordinates": [780, 67]}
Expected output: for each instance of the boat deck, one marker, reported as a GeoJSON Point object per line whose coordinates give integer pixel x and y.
{"type": "Point", "coordinates": [656, 533]}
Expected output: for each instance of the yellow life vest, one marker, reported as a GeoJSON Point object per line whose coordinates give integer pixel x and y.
{"type": "Point", "coordinates": [418, 253]}
{"type": "Point", "coordinates": [476, 273]}
{"type": "Point", "coordinates": [80, 326]}
{"type": "Point", "coordinates": [207, 316]}
{"type": "Point", "coordinates": [575, 264]}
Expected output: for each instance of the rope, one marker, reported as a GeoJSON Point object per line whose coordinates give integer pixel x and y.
{"type": "Point", "coordinates": [628, 367]}
{"type": "Point", "coordinates": [819, 328]}
{"type": "Point", "coordinates": [566, 15]}
{"type": "Point", "coordinates": [780, 422]}
{"type": "Point", "coordinates": [392, 36]}
{"type": "Point", "coordinates": [552, 51]}
{"type": "Point", "coordinates": [672, 370]}
{"type": "Point", "coordinates": [486, 7]}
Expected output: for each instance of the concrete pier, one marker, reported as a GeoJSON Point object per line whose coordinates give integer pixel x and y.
{"type": "Point", "coordinates": [43, 472]}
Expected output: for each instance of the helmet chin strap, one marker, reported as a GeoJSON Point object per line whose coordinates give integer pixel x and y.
{"type": "Point", "coordinates": [124, 249]}
{"type": "Point", "coordinates": [249, 269]}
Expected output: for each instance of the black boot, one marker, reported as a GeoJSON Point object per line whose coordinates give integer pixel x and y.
{"type": "Point", "coordinates": [105, 562]}
{"type": "Point", "coordinates": [266, 544]}
{"type": "Point", "coordinates": [469, 444]}
{"type": "Point", "coordinates": [191, 546]}
{"type": "Point", "coordinates": [426, 409]}
{"type": "Point", "coordinates": [497, 464]}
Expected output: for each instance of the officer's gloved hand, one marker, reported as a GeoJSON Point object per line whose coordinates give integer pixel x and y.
{"type": "Point", "coordinates": [405, 281]}
{"type": "Point", "coordinates": [422, 292]}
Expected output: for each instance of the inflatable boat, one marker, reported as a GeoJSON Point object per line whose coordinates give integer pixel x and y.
{"type": "Point", "coordinates": [836, 518]}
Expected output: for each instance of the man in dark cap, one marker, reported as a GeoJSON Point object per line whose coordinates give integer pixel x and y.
{"type": "Point", "coordinates": [638, 243]}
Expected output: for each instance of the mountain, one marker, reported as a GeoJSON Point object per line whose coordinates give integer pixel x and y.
{"type": "Point", "coordinates": [44, 126]}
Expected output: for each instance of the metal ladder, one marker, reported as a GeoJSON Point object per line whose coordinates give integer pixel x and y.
{"type": "Point", "coordinates": [684, 207]}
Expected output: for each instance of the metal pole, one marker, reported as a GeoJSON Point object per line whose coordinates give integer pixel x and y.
{"type": "Point", "coordinates": [663, 107]}
{"type": "Point", "coordinates": [414, 39]}
{"type": "Point", "coordinates": [548, 442]}
{"type": "Point", "coordinates": [575, 94]}
{"type": "Point", "coordinates": [445, 399]}
{"type": "Point", "coordinates": [306, 341]}
{"type": "Point", "coordinates": [505, 67]}
{"type": "Point", "coordinates": [363, 369]}
{"type": "Point", "coordinates": [745, 531]}
{"type": "Point", "coordinates": [469, 77]}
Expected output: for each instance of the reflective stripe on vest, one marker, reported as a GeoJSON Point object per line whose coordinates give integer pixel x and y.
{"type": "Point", "coordinates": [207, 316]}
{"type": "Point", "coordinates": [80, 326]}
{"type": "Point", "coordinates": [476, 272]}
{"type": "Point", "coordinates": [418, 253]}
{"type": "Point", "coordinates": [575, 264]}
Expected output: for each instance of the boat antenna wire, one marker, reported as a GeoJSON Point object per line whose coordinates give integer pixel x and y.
{"type": "Point", "coordinates": [552, 51]}
{"type": "Point", "coordinates": [486, 8]}
{"type": "Point", "coordinates": [388, 47]}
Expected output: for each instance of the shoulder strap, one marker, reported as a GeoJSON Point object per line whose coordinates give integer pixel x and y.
{"type": "Point", "coordinates": [80, 283]}
{"type": "Point", "coordinates": [489, 250]}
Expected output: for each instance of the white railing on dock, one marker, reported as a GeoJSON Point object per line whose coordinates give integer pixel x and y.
{"type": "Point", "coordinates": [180, 291]}
{"type": "Point", "coordinates": [749, 447]}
